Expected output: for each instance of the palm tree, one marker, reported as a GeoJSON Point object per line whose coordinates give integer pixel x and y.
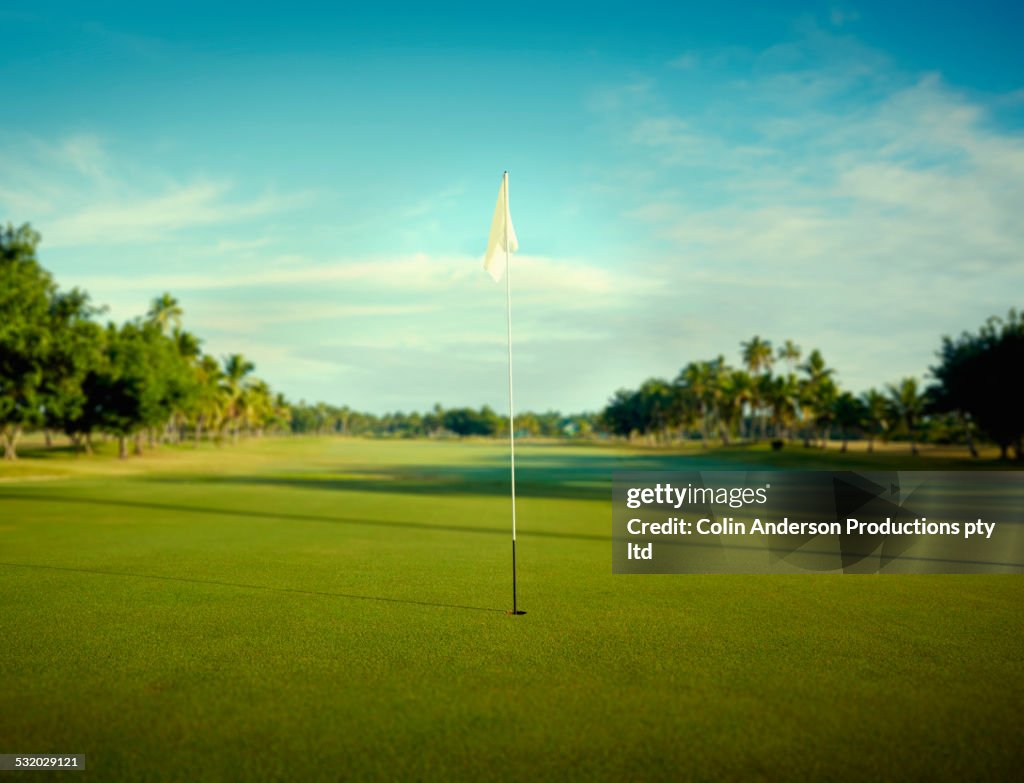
{"type": "Point", "coordinates": [697, 380]}
{"type": "Point", "coordinates": [687, 409]}
{"type": "Point", "coordinates": [189, 382]}
{"type": "Point", "coordinates": [826, 394]}
{"type": "Point", "coordinates": [817, 392]}
{"type": "Point", "coordinates": [282, 413]}
{"type": "Point", "coordinates": [765, 385]}
{"type": "Point", "coordinates": [908, 403]}
{"type": "Point", "coordinates": [790, 353]}
{"type": "Point", "coordinates": [783, 397]}
{"type": "Point", "coordinates": [209, 409]}
{"type": "Point", "coordinates": [165, 311]}
{"type": "Point", "coordinates": [815, 367]}
{"type": "Point", "coordinates": [733, 390]}
{"type": "Point", "coordinates": [739, 392]}
{"type": "Point", "coordinates": [434, 424]}
{"type": "Point", "coordinates": [657, 400]}
{"type": "Point", "coordinates": [187, 343]}
{"type": "Point", "coordinates": [757, 356]}
{"type": "Point", "coordinates": [236, 368]}
{"type": "Point", "coordinates": [258, 406]}
{"type": "Point", "coordinates": [876, 412]}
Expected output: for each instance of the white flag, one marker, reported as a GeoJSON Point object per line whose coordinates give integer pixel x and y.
{"type": "Point", "coordinates": [503, 235]}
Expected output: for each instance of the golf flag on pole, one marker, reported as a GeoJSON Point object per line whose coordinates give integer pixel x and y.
{"type": "Point", "coordinates": [503, 236]}
{"type": "Point", "coordinates": [500, 244]}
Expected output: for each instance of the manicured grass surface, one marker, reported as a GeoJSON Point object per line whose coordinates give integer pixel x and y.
{"type": "Point", "coordinates": [334, 609]}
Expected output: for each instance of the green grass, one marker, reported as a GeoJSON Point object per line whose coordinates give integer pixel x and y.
{"type": "Point", "coordinates": [334, 609]}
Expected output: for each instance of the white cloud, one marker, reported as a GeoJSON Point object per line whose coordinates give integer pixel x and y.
{"type": "Point", "coordinates": [685, 61]}
{"type": "Point", "coordinates": [85, 154]}
{"type": "Point", "coordinates": [575, 284]}
{"type": "Point", "coordinates": [808, 191]}
{"type": "Point", "coordinates": [77, 195]}
{"type": "Point", "coordinates": [616, 97]}
{"type": "Point", "coordinates": [239, 245]}
{"type": "Point", "coordinates": [842, 16]}
{"type": "Point", "coordinates": [146, 219]}
{"type": "Point", "coordinates": [830, 198]}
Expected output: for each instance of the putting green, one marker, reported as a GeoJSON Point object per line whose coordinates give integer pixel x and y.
{"type": "Point", "coordinates": [318, 609]}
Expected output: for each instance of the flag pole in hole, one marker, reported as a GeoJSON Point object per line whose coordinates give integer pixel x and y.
{"type": "Point", "coordinates": [501, 244]}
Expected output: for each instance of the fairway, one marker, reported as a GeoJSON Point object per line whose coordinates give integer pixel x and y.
{"type": "Point", "coordinates": [331, 609]}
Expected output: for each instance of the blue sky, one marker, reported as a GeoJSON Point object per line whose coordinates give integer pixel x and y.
{"type": "Point", "coordinates": [315, 185]}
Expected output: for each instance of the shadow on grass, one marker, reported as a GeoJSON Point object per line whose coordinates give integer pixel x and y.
{"type": "Point", "coordinates": [537, 476]}
{"type": "Point", "coordinates": [41, 452]}
{"type": "Point", "coordinates": [190, 580]}
{"type": "Point", "coordinates": [585, 476]}
{"type": "Point", "coordinates": [273, 515]}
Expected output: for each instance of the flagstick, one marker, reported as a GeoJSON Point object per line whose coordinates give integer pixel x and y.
{"type": "Point", "coordinates": [511, 414]}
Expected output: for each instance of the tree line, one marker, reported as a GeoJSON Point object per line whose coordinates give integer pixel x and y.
{"type": "Point", "coordinates": [781, 395]}
{"type": "Point", "coordinates": [147, 380]}
{"type": "Point", "coordinates": [323, 419]}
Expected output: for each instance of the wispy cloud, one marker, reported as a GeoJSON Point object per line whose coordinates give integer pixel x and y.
{"type": "Point", "coordinates": [75, 191]}
{"type": "Point", "coordinates": [432, 203]}
{"type": "Point", "coordinates": [685, 61]}
{"type": "Point", "coordinates": [200, 203]}
{"type": "Point", "coordinates": [616, 97]}
{"type": "Point", "coordinates": [239, 245]}
{"type": "Point", "coordinates": [842, 16]}
{"type": "Point", "coordinates": [84, 153]}
{"type": "Point", "coordinates": [810, 189]}
{"type": "Point", "coordinates": [856, 197]}
{"type": "Point", "coordinates": [573, 284]}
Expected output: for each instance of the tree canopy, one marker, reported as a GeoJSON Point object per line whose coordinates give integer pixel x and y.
{"type": "Point", "coordinates": [978, 376]}
{"type": "Point", "coordinates": [149, 379]}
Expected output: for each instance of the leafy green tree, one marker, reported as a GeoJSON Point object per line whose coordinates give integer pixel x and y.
{"type": "Point", "coordinates": [528, 424]}
{"type": "Point", "coordinates": [174, 382]}
{"type": "Point", "coordinates": [361, 423]}
{"type": "Point", "coordinates": [978, 375]}
{"type": "Point", "coordinates": [849, 414]}
{"type": "Point", "coordinates": [136, 385]}
{"type": "Point", "coordinates": [622, 415]}
{"type": "Point", "coordinates": [303, 418]}
{"type": "Point", "coordinates": [120, 389]}
{"type": "Point", "coordinates": [76, 343]}
{"type": "Point", "coordinates": [186, 381]}
{"type": "Point", "coordinates": [26, 341]}
{"type": "Point", "coordinates": [581, 425]}
{"type": "Point", "coordinates": [466, 421]}
{"type": "Point", "coordinates": [549, 423]}
{"type": "Point", "coordinates": [433, 421]}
